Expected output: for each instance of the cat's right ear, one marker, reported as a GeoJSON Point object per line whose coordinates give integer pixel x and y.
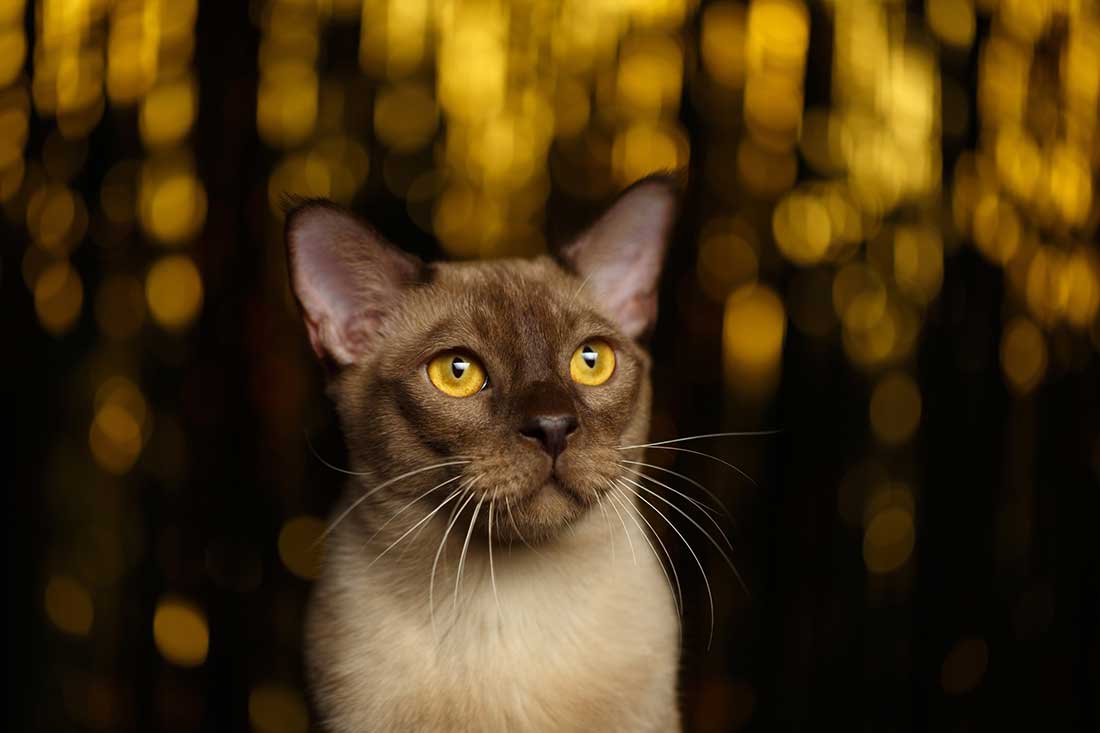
{"type": "Point", "coordinates": [345, 276]}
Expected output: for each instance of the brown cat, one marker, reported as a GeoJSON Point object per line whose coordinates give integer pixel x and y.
{"type": "Point", "coordinates": [476, 577]}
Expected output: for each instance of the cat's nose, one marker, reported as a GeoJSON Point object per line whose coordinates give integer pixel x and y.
{"type": "Point", "coordinates": [551, 431]}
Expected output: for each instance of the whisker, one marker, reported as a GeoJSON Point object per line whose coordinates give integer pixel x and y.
{"type": "Point", "coordinates": [749, 478]}
{"type": "Point", "coordinates": [431, 514]}
{"type": "Point", "coordinates": [700, 528]}
{"type": "Point", "coordinates": [435, 563]}
{"type": "Point", "coordinates": [379, 487]}
{"type": "Point", "coordinates": [626, 531]}
{"type": "Point", "coordinates": [678, 597]}
{"type": "Point", "coordinates": [492, 574]}
{"type": "Point", "coordinates": [607, 521]}
{"type": "Point", "coordinates": [578, 292]}
{"type": "Point", "coordinates": [465, 547]}
{"type": "Point", "coordinates": [742, 434]}
{"type": "Point", "coordinates": [706, 581]}
{"type": "Point", "coordinates": [402, 509]}
{"type": "Point", "coordinates": [689, 479]}
{"type": "Point", "coordinates": [666, 486]}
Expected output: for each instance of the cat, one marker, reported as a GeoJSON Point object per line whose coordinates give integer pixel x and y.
{"type": "Point", "coordinates": [484, 570]}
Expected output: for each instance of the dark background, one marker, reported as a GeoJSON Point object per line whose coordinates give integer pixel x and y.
{"type": "Point", "coordinates": [989, 621]}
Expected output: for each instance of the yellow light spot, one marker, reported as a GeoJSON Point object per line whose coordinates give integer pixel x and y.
{"type": "Point", "coordinates": [120, 307]}
{"type": "Point", "coordinates": [1081, 283]}
{"type": "Point", "coordinates": [180, 632]}
{"type": "Point", "coordinates": [286, 104]}
{"type": "Point", "coordinates": [405, 117]}
{"type": "Point", "coordinates": [964, 666]}
{"type": "Point", "coordinates": [173, 206]}
{"type": "Point", "coordinates": [753, 331]}
{"type": "Point", "coordinates": [952, 21]}
{"type": "Point", "coordinates": [722, 43]}
{"type": "Point", "coordinates": [56, 218]}
{"type": "Point", "coordinates": [1070, 184]}
{"type": "Point", "coordinates": [277, 708]}
{"type": "Point", "coordinates": [888, 540]}
{"type": "Point", "coordinates": [173, 290]}
{"type": "Point", "coordinates": [895, 408]}
{"type": "Point", "coordinates": [69, 606]}
{"type": "Point", "coordinates": [58, 297]}
{"type": "Point", "coordinates": [996, 229]}
{"type": "Point", "coordinates": [167, 112]}
{"type": "Point", "coordinates": [802, 229]}
{"type": "Point", "coordinates": [918, 263]}
{"type": "Point", "coordinates": [13, 49]}
{"type": "Point", "coordinates": [1045, 286]}
{"type": "Point", "coordinates": [645, 148]}
{"type": "Point", "coordinates": [726, 261]}
{"type": "Point", "coordinates": [299, 548]}
{"type": "Point", "coordinates": [778, 35]}
{"type": "Point", "coordinates": [1023, 355]}
{"type": "Point", "coordinates": [115, 438]}
{"type": "Point", "coordinates": [650, 75]}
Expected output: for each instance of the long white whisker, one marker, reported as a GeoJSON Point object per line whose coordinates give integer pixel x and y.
{"type": "Point", "coordinates": [666, 486]}
{"type": "Point", "coordinates": [749, 478]}
{"type": "Point", "coordinates": [706, 581]}
{"type": "Point", "coordinates": [379, 487]}
{"type": "Point", "coordinates": [465, 547]}
{"type": "Point", "coordinates": [689, 479]}
{"type": "Point", "coordinates": [622, 521]}
{"type": "Point", "coordinates": [679, 594]}
{"type": "Point", "coordinates": [411, 529]}
{"type": "Point", "coordinates": [435, 563]}
{"type": "Point", "coordinates": [400, 511]}
{"type": "Point", "coordinates": [607, 521]}
{"type": "Point", "coordinates": [492, 574]}
{"type": "Point", "coordinates": [742, 434]}
{"type": "Point", "coordinates": [700, 528]}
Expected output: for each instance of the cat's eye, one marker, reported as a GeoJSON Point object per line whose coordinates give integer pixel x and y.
{"type": "Point", "coordinates": [592, 363]}
{"type": "Point", "coordinates": [456, 374]}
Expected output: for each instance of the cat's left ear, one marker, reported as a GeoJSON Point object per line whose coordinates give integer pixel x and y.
{"type": "Point", "coordinates": [346, 278]}
{"type": "Point", "coordinates": [620, 256]}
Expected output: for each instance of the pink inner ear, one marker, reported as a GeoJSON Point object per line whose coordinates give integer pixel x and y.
{"type": "Point", "coordinates": [622, 253]}
{"type": "Point", "coordinates": [345, 277]}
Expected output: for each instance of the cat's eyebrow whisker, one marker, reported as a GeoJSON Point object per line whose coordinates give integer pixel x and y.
{"type": "Point", "coordinates": [465, 547]}
{"type": "Point", "coordinates": [702, 570]}
{"type": "Point", "coordinates": [680, 493]}
{"type": "Point", "coordinates": [379, 487]}
{"type": "Point", "coordinates": [459, 506]}
{"type": "Point", "coordinates": [578, 291]}
{"type": "Point", "coordinates": [700, 528]}
{"type": "Point", "coordinates": [678, 596]}
{"type": "Point", "coordinates": [741, 434]}
{"type": "Point", "coordinates": [626, 531]}
{"type": "Point", "coordinates": [689, 479]}
{"type": "Point", "coordinates": [748, 478]}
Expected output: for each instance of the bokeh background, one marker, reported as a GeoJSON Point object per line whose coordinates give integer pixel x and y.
{"type": "Point", "coordinates": [888, 251]}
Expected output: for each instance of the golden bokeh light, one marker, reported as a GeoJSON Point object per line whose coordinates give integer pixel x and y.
{"type": "Point", "coordinates": [173, 202]}
{"type": "Point", "coordinates": [645, 148]}
{"type": "Point", "coordinates": [964, 666]}
{"type": "Point", "coordinates": [802, 228]}
{"type": "Point", "coordinates": [168, 112]}
{"type": "Point", "coordinates": [953, 21]}
{"type": "Point", "coordinates": [1023, 355]}
{"type": "Point", "coordinates": [722, 43]}
{"type": "Point", "coordinates": [117, 432]}
{"type": "Point", "coordinates": [405, 117]}
{"type": "Point", "coordinates": [888, 540]}
{"type": "Point", "coordinates": [180, 632]}
{"type": "Point", "coordinates": [58, 297]}
{"type": "Point", "coordinates": [274, 707]}
{"type": "Point", "coordinates": [753, 331]}
{"type": "Point", "coordinates": [173, 291]}
{"type": "Point", "coordinates": [895, 408]}
{"type": "Point", "coordinates": [69, 606]}
{"type": "Point", "coordinates": [300, 547]}
{"type": "Point", "coordinates": [727, 259]}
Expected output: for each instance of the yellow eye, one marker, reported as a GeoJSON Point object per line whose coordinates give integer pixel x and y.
{"type": "Point", "coordinates": [593, 363]}
{"type": "Point", "coordinates": [456, 374]}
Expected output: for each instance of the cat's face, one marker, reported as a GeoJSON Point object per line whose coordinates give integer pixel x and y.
{"type": "Point", "coordinates": [523, 375]}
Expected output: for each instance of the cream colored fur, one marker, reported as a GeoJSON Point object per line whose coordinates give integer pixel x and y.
{"type": "Point", "coordinates": [582, 639]}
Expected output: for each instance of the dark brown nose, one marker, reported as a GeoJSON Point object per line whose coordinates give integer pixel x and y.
{"type": "Point", "coordinates": [551, 431]}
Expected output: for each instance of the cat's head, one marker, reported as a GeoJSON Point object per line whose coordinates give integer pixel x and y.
{"type": "Point", "coordinates": [525, 377]}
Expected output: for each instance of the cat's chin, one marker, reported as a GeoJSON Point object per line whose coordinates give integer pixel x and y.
{"type": "Point", "coordinates": [549, 509]}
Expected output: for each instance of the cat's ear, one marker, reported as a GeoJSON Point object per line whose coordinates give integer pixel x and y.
{"type": "Point", "coordinates": [620, 256]}
{"type": "Point", "coordinates": [346, 278]}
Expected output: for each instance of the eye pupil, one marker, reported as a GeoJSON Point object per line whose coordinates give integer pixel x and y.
{"type": "Point", "coordinates": [459, 367]}
{"type": "Point", "coordinates": [588, 354]}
